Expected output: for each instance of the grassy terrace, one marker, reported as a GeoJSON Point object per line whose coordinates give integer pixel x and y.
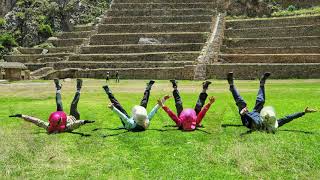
{"type": "Point", "coordinates": [27, 152]}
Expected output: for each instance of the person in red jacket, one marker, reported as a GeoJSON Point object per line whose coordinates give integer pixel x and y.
{"type": "Point", "coordinates": [188, 119]}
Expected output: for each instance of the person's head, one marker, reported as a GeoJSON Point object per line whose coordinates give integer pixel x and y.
{"type": "Point", "coordinates": [140, 116]}
{"type": "Point", "coordinates": [269, 119]}
{"type": "Point", "coordinates": [189, 119]}
{"type": "Point", "coordinates": [58, 120]}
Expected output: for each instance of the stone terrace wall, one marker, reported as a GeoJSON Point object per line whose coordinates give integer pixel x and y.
{"type": "Point", "coordinates": [133, 73]}
{"type": "Point", "coordinates": [299, 3]}
{"type": "Point", "coordinates": [253, 71]}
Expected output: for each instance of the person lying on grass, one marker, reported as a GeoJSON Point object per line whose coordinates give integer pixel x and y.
{"type": "Point", "coordinates": [59, 121]}
{"type": "Point", "coordinates": [188, 119]}
{"type": "Point", "coordinates": [140, 120]}
{"type": "Point", "coordinates": [261, 118]}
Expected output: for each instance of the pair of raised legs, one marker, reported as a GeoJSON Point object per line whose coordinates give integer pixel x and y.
{"type": "Point", "coordinates": [200, 102]}
{"type": "Point", "coordinates": [74, 104]}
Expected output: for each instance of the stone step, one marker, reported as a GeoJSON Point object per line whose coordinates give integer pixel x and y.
{"type": "Point", "coordinates": [287, 31]}
{"type": "Point", "coordinates": [41, 71]}
{"type": "Point", "coordinates": [67, 42]}
{"type": "Point", "coordinates": [83, 28]}
{"type": "Point", "coordinates": [154, 27]}
{"type": "Point", "coordinates": [272, 50]}
{"type": "Point", "coordinates": [156, 19]}
{"type": "Point", "coordinates": [164, 6]}
{"type": "Point", "coordinates": [161, 38]}
{"type": "Point", "coordinates": [273, 42]}
{"type": "Point", "coordinates": [122, 64]}
{"type": "Point", "coordinates": [254, 70]}
{"type": "Point", "coordinates": [185, 72]}
{"type": "Point", "coordinates": [141, 48]}
{"type": "Point", "coordinates": [160, 1]}
{"type": "Point", "coordinates": [160, 12]}
{"type": "Point", "coordinates": [273, 22]}
{"type": "Point", "coordinates": [36, 58]}
{"type": "Point", "coordinates": [50, 50]}
{"type": "Point", "coordinates": [75, 34]}
{"type": "Point", "coordinates": [155, 56]}
{"type": "Point", "coordinates": [35, 66]}
{"type": "Point", "coordinates": [270, 58]}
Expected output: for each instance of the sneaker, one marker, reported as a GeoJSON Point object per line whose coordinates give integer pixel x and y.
{"type": "Point", "coordinates": [174, 83]}
{"type": "Point", "coordinates": [149, 84]}
{"type": "Point", "coordinates": [206, 84]}
{"type": "Point", "coordinates": [230, 78]}
{"type": "Point", "coordinates": [57, 83]}
{"type": "Point", "coordinates": [106, 88]}
{"type": "Point", "coordinates": [264, 77]}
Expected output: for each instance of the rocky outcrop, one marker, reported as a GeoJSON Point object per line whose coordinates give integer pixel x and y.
{"type": "Point", "coordinates": [6, 6]}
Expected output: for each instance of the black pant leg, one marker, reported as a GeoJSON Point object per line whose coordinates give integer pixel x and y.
{"type": "Point", "coordinates": [116, 104]}
{"type": "Point", "coordinates": [178, 101]}
{"type": "Point", "coordinates": [74, 106]}
{"type": "Point", "coordinates": [200, 103]}
{"type": "Point", "coordinates": [260, 99]}
{"type": "Point", "coordinates": [59, 101]}
{"type": "Point", "coordinates": [145, 99]}
{"type": "Point", "coordinates": [238, 99]}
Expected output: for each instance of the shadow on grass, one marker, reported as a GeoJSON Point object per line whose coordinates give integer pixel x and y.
{"type": "Point", "coordinates": [113, 129]}
{"type": "Point", "coordinates": [231, 125]}
{"type": "Point", "coordinates": [179, 129]}
{"type": "Point", "coordinates": [297, 131]}
{"type": "Point", "coordinates": [79, 133]}
{"type": "Point", "coordinates": [112, 135]}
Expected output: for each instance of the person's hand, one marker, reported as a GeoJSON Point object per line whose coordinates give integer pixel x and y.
{"type": "Point", "coordinates": [166, 97]}
{"type": "Point", "coordinates": [307, 110]}
{"type": "Point", "coordinates": [16, 115]}
{"type": "Point", "coordinates": [244, 110]}
{"type": "Point", "coordinates": [160, 103]}
{"type": "Point", "coordinates": [110, 106]}
{"type": "Point", "coordinates": [212, 100]}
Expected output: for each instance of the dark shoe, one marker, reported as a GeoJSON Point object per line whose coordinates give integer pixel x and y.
{"type": "Point", "coordinates": [230, 78]}
{"type": "Point", "coordinates": [87, 121]}
{"type": "Point", "coordinates": [57, 83]}
{"type": "Point", "coordinates": [264, 77]}
{"type": "Point", "coordinates": [106, 88]}
{"type": "Point", "coordinates": [79, 84]}
{"type": "Point", "coordinates": [206, 84]}
{"type": "Point", "coordinates": [174, 83]}
{"type": "Point", "coordinates": [16, 115]}
{"type": "Point", "coordinates": [149, 84]}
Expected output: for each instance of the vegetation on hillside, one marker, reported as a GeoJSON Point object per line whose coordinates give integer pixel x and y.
{"type": "Point", "coordinates": [31, 22]}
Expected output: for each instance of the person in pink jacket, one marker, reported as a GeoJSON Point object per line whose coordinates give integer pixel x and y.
{"type": "Point", "coordinates": [189, 119]}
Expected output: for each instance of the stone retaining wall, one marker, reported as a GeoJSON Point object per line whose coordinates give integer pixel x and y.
{"type": "Point", "coordinates": [253, 71]}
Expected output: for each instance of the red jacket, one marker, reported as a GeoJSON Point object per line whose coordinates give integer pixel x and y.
{"type": "Point", "coordinates": [188, 120]}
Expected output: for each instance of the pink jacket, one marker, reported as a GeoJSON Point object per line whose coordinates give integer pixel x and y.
{"type": "Point", "coordinates": [188, 120]}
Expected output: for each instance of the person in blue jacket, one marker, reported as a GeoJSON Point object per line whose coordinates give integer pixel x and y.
{"type": "Point", "coordinates": [139, 119]}
{"type": "Point", "coordinates": [261, 118]}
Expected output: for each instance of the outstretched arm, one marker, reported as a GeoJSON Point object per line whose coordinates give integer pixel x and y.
{"type": "Point", "coordinates": [128, 122]}
{"type": "Point", "coordinates": [205, 110]}
{"type": "Point", "coordinates": [172, 115]}
{"type": "Point", "coordinates": [76, 124]}
{"type": "Point", "coordinates": [36, 121]}
{"type": "Point", "coordinates": [291, 117]}
{"type": "Point", "coordinates": [156, 107]}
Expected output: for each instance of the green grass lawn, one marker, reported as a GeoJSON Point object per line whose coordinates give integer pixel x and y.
{"type": "Point", "coordinates": [214, 152]}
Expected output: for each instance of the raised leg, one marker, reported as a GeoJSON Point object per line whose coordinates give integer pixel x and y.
{"type": "Point", "coordinates": [58, 95]}
{"type": "Point", "coordinates": [177, 98]}
{"type": "Point", "coordinates": [202, 97]}
{"type": "Point", "coordinates": [114, 101]}
{"type": "Point", "coordinates": [261, 97]}
{"type": "Point", "coordinates": [145, 99]}
{"type": "Point", "coordinates": [74, 105]}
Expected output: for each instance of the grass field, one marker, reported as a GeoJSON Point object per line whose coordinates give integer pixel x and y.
{"type": "Point", "coordinates": [214, 152]}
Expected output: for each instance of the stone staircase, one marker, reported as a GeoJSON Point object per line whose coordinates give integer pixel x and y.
{"type": "Point", "coordinates": [289, 47]}
{"type": "Point", "coordinates": [41, 60]}
{"type": "Point", "coordinates": [139, 38]}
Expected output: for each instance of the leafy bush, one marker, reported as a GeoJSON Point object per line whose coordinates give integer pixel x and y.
{"type": "Point", "coordinates": [2, 22]}
{"type": "Point", "coordinates": [7, 40]}
{"type": "Point", "coordinates": [291, 8]}
{"type": "Point", "coordinates": [45, 30]}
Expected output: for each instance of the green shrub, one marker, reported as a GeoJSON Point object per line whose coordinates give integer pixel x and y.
{"type": "Point", "coordinates": [2, 22]}
{"type": "Point", "coordinates": [291, 8]}
{"type": "Point", "coordinates": [45, 30]}
{"type": "Point", "coordinates": [7, 40]}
